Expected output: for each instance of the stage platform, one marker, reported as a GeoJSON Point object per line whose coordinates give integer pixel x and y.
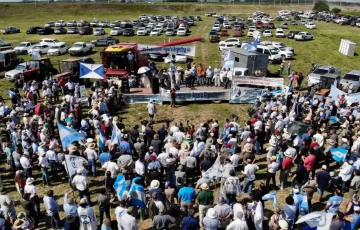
{"type": "Point", "coordinates": [144, 95]}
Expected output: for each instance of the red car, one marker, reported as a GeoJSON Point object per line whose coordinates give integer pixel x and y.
{"type": "Point", "coordinates": [86, 30]}
{"type": "Point", "coordinates": [224, 33]}
{"type": "Point", "coordinates": [237, 32]}
{"type": "Point", "coordinates": [271, 25]}
{"type": "Point", "coordinates": [259, 25]}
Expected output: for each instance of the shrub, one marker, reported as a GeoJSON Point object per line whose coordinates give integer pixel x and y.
{"type": "Point", "coordinates": [336, 10]}
{"type": "Point", "coordinates": [321, 5]}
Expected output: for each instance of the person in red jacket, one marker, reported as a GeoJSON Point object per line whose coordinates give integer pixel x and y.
{"type": "Point", "coordinates": [309, 162]}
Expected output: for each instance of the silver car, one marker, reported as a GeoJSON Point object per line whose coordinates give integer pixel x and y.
{"type": "Point", "coordinates": [352, 77]}
{"type": "Point", "coordinates": [314, 76]}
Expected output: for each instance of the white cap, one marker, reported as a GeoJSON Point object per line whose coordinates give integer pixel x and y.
{"type": "Point", "coordinates": [324, 167]}
{"type": "Point", "coordinates": [356, 208]}
{"type": "Point", "coordinates": [248, 139]}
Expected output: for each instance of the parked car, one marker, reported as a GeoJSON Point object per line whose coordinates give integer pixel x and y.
{"type": "Point", "coordinates": [58, 49]}
{"type": "Point", "coordinates": [129, 32]}
{"type": "Point", "coordinates": [271, 25]}
{"type": "Point", "coordinates": [170, 32]}
{"type": "Point", "coordinates": [115, 24]}
{"type": "Point", "coordinates": [291, 34]}
{"type": "Point", "coordinates": [33, 30]}
{"type": "Point", "coordinates": [73, 30]}
{"type": "Point", "coordinates": [267, 33]}
{"type": "Point", "coordinates": [237, 32]}
{"type": "Point", "coordinates": [115, 31]}
{"type": "Point", "coordinates": [94, 23]}
{"type": "Point", "coordinates": [45, 31]}
{"type": "Point", "coordinates": [99, 31]}
{"type": "Point", "coordinates": [314, 76]}
{"type": "Point", "coordinates": [105, 41]}
{"type": "Point", "coordinates": [48, 41]}
{"type": "Point", "coordinates": [104, 24]}
{"type": "Point", "coordinates": [10, 30]}
{"type": "Point", "coordinates": [259, 25]}
{"type": "Point", "coordinates": [279, 33]}
{"type": "Point", "coordinates": [24, 47]}
{"type": "Point", "coordinates": [303, 36]}
{"type": "Point", "coordinates": [82, 23]}
{"type": "Point", "coordinates": [250, 32]}
{"type": "Point", "coordinates": [229, 43]}
{"type": "Point", "coordinates": [71, 23]}
{"type": "Point", "coordinates": [60, 30]}
{"type": "Point", "coordinates": [181, 31]}
{"type": "Point", "coordinates": [86, 30]}
{"type": "Point", "coordinates": [353, 78]}
{"type": "Point", "coordinates": [213, 36]}
{"type": "Point", "coordinates": [80, 48]}
{"type": "Point", "coordinates": [216, 27]}
{"type": "Point", "coordinates": [40, 48]}
{"type": "Point", "coordinates": [310, 25]}
{"type": "Point", "coordinates": [294, 23]}
{"type": "Point", "coordinates": [284, 25]}
{"type": "Point", "coordinates": [141, 31]}
{"type": "Point", "coordinates": [155, 32]}
{"type": "Point", "coordinates": [60, 23]}
{"type": "Point", "coordinates": [50, 24]}
{"type": "Point", "coordinates": [224, 33]}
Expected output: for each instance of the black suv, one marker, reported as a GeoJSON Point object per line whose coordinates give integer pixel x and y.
{"type": "Point", "coordinates": [45, 31]}
{"type": "Point", "coordinates": [33, 30]}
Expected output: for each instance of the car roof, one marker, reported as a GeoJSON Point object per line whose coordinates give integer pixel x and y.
{"type": "Point", "coordinates": [355, 72]}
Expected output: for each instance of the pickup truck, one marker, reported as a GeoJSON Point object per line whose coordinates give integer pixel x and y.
{"type": "Point", "coordinates": [80, 48]}
{"type": "Point", "coordinates": [303, 36]}
{"type": "Point", "coordinates": [4, 44]}
{"type": "Point", "coordinates": [24, 47]}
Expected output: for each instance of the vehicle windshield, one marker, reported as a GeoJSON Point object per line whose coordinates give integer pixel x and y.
{"type": "Point", "coordinates": [55, 47]}
{"type": "Point", "coordinates": [20, 67]}
{"type": "Point", "coordinates": [274, 51]}
{"type": "Point", "coordinates": [351, 77]}
{"type": "Point", "coordinates": [67, 66]}
{"type": "Point", "coordinates": [22, 45]}
{"type": "Point", "coordinates": [115, 29]}
{"type": "Point", "coordinates": [37, 47]}
{"type": "Point", "coordinates": [320, 71]}
{"type": "Point", "coordinates": [77, 45]}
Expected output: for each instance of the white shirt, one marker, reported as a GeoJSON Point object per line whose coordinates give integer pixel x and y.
{"type": "Point", "coordinates": [43, 162]}
{"type": "Point", "coordinates": [357, 164]}
{"type": "Point", "coordinates": [30, 188]}
{"type": "Point", "coordinates": [250, 170]}
{"type": "Point", "coordinates": [111, 167]}
{"type": "Point", "coordinates": [51, 155]}
{"type": "Point", "coordinates": [319, 139]}
{"type": "Point", "coordinates": [127, 222]}
{"type": "Point", "coordinates": [151, 108]}
{"type": "Point", "coordinates": [174, 129]}
{"type": "Point", "coordinates": [162, 159]}
{"type": "Point", "coordinates": [237, 225]}
{"type": "Point", "coordinates": [238, 208]}
{"type": "Point", "coordinates": [346, 172]}
{"type": "Point", "coordinates": [258, 124]}
{"type": "Point", "coordinates": [80, 182]}
{"type": "Point", "coordinates": [180, 136]}
{"type": "Point", "coordinates": [235, 160]}
{"type": "Point", "coordinates": [139, 168]}
{"type": "Point", "coordinates": [25, 163]}
{"type": "Point", "coordinates": [90, 154]}
{"type": "Point", "coordinates": [175, 152]}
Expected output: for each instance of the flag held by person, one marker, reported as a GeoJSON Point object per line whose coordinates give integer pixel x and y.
{"type": "Point", "coordinates": [120, 187]}
{"type": "Point", "coordinates": [114, 137]}
{"type": "Point", "coordinates": [11, 93]}
{"type": "Point", "coordinates": [69, 135]}
{"type": "Point", "coordinates": [137, 193]}
{"type": "Point", "coordinates": [334, 120]}
{"type": "Point", "coordinates": [73, 163]}
{"type": "Point", "coordinates": [101, 140]}
{"type": "Point", "coordinates": [304, 206]}
{"type": "Point", "coordinates": [270, 196]}
{"type": "Point", "coordinates": [338, 154]}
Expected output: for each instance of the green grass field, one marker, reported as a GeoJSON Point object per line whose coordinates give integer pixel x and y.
{"type": "Point", "coordinates": [322, 50]}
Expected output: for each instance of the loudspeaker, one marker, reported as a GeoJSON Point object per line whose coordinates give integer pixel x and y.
{"type": "Point", "coordinates": [155, 86]}
{"type": "Point", "coordinates": [125, 85]}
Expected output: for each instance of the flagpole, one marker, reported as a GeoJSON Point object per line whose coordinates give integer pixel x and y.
{"type": "Point", "coordinates": [67, 172]}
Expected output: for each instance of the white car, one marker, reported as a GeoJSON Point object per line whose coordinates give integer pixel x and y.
{"type": "Point", "coordinates": [227, 25]}
{"type": "Point", "coordinates": [41, 49]}
{"type": "Point", "coordinates": [104, 24]}
{"type": "Point", "coordinates": [141, 31]}
{"type": "Point", "coordinates": [181, 31]}
{"type": "Point", "coordinates": [285, 53]}
{"type": "Point", "coordinates": [71, 23]}
{"type": "Point", "coordinates": [216, 27]}
{"type": "Point", "coordinates": [250, 32]}
{"type": "Point", "coordinates": [279, 33]}
{"type": "Point", "coordinates": [267, 33]}
{"type": "Point", "coordinates": [16, 73]}
{"type": "Point", "coordinates": [282, 45]}
{"type": "Point", "coordinates": [60, 23]}
{"type": "Point", "coordinates": [170, 32]}
{"type": "Point", "coordinates": [116, 31]}
{"type": "Point", "coordinates": [303, 36]}
{"type": "Point", "coordinates": [155, 32]}
{"type": "Point", "coordinates": [310, 25]}
{"type": "Point", "coordinates": [58, 49]}
{"type": "Point", "coordinates": [180, 58]}
{"type": "Point", "coordinates": [230, 42]}
{"type": "Point", "coordinates": [99, 31]}
{"type": "Point", "coordinates": [48, 41]}
{"type": "Point", "coordinates": [50, 24]}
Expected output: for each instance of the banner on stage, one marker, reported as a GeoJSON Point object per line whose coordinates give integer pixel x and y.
{"type": "Point", "coordinates": [196, 95]}
{"type": "Point", "coordinates": [151, 49]}
{"type": "Point", "coordinates": [246, 95]}
{"type": "Point", "coordinates": [259, 81]}
{"type": "Point", "coordinates": [336, 95]}
{"type": "Point", "coordinates": [138, 99]}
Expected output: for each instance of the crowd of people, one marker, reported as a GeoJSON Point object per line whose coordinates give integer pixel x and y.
{"type": "Point", "coordinates": [175, 164]}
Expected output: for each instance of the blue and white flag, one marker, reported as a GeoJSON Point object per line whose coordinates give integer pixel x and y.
{"type": "Point", "coordinates": [92, 71]}
{"type": "Point", "coordinates": [270, 196]}
{"type": "Point", "coordinates": [120, 187]}
{"type": "Point", "coordinates": [137, 193]}
{"type": "Point", "coordinates": [229, 64]}
{"type": "Point", "coordinates": [114, 137]}
{"type": "Point", "coordinates": [333, 120]}
{"type": "Point", "coordinates": [304, 206]}
{"type": "Point", "coordinates": [69, 135]}
{"type": "Point", "coordinates": [73, 163]}
{"type": "Point", "coordinates": [338, 154]}
{"type": "Point", "coordinates": [11, 93]}
{"type": "Point", "coordinates": [102, 139]}
{"type": "Point", "coordinates": [35, 54]}
{"type": "Point", "coordinates": [252, 46]}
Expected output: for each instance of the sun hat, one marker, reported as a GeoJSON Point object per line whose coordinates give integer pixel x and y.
{"type": "Point", "coordinates": [324, 167]}
{"type": "Point", "coordinates": [283, 224]}
{"type": "Point", "coordinates": [273, 158]}
{"type": "Point", "coordinates": [288, 154]}
{"type": "Point", "coordinates": [91, 145]}
{"type": "Point", "coordinates": [155, 184]}
{"type": "Point", "coordinates": [211, 213]}
{"type": "Point", "coordinates": [72, 148]}
{"type": "Point", "coordinates": [19, 223]}
{"type": "Point", "coordinates": [204, 186]}
{"type": "Point", "coordinates": [29, 180]}
{"type": "Point", "coordinates": [356, 208]}
{"type": "Point", "coordinates": [185, 146]}
{"type": "Point", "coordinates": [344, 140]}
{"type": "Point", "coordinates": [351, 162]}
{"type": "Point", "coordinates": [89, 140]}
{"type": "Point", "coordinates": [220, 141]}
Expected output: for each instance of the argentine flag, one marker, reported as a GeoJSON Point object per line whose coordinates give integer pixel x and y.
{"type": "Point", "coordinates": [338, 154]}
{"type": "Point", "coordinates": [334, 120]}
{"type": "Point", "coordinates": [69, 135]}
{"type": "Point", "coordinates": [137, 193]}
{"type": "Point", "coordinates": [91, 71]}
{"type": "Point", "coordinates": [102, 139]}
{"type": "Point", "coordinates": [229, 64]}
{"type": "Point", "coordinates": [114, 137]}
{"type": "Point", "coordinates": [270, 196]}
{"type": "Point", "coordinates": [304, 206]}
{"type": "Point", "coordinates": [11, 93]}
{"type": "Point", "coordinates": [121, 187]}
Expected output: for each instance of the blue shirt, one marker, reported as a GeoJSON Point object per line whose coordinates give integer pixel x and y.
{"type": "Point", "coordinates": [190, 223]}
{"type": "Point", "coordinates": [104, 157]}
{"type": "Point", "coordinates": [334, 203]}
{"type": "Point", "coordinates": [125, 147]}
{"type": "Point", "coordinates": [51, 205]}
{"type": "Point", "coordinates": [103, 227]}
{"type": "Point", "coordinates": [352, 225]}
{"type": "Point", "coordinates": [70, 209]}
{"type": "Point", "coordinates": [187, 194]}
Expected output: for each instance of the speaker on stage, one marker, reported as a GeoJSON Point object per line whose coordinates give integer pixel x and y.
{"type": "Point", "coordinates": [155, 86]}
{"type": "Point", "coordinates": [125, 85]}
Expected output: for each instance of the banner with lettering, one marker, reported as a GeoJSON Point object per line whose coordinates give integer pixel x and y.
{"type": "Point", "coordinates": [151, 49]}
